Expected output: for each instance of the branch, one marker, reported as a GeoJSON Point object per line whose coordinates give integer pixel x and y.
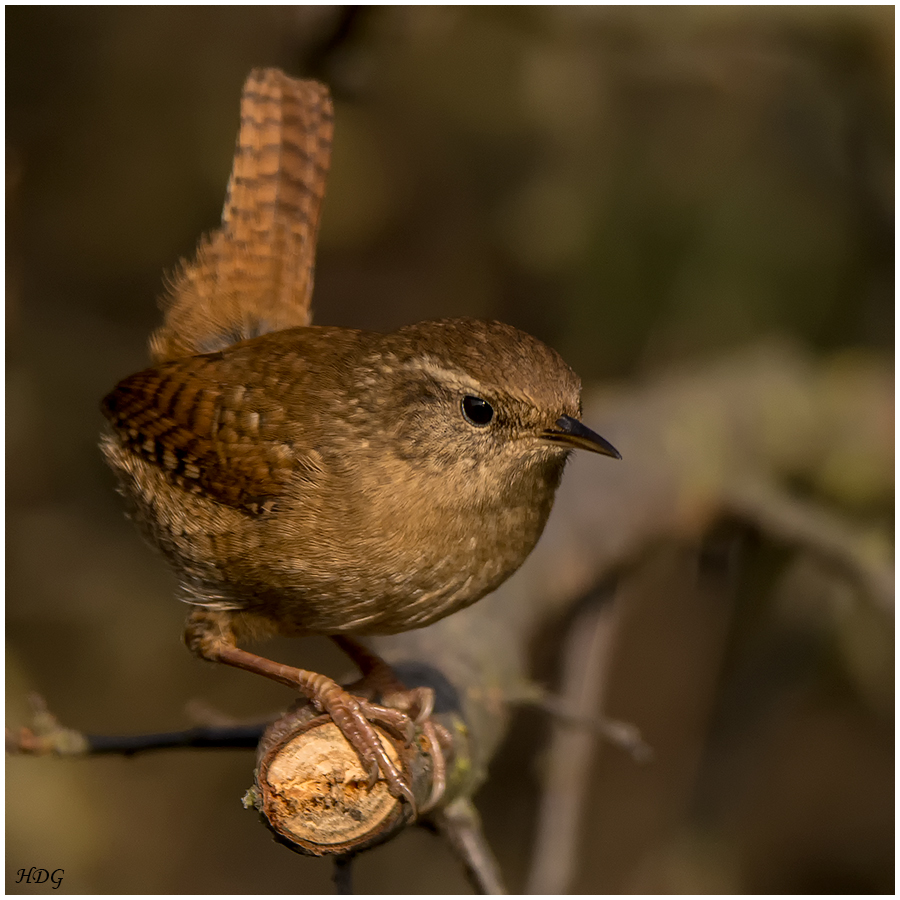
{"type": "Point", "coordinates": [698, 446]}
{"type": "Point", "coordinates": [808, 525]}
{"type": "Point", "coordinates": [460, 824]}
{"type": "Point", "coordinates": [586, 659]}
{"type": "Point", "coordinates": [47, 737]}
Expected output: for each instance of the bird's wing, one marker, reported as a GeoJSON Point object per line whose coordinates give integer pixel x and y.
{"type": "Point", "coordinates": [208, 433]}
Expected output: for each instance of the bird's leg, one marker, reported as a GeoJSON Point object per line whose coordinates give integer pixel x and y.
{"type": "Point", "coordinates": [379, 680]}
{"type": "Point", "coordinates": [209, 634]}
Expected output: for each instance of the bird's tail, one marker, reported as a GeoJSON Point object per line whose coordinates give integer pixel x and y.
{"type": "Point", "coordinates": [255, 273]}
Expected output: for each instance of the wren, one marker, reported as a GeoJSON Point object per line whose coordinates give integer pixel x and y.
{"type": "Point", "coordinates": [321, 480]}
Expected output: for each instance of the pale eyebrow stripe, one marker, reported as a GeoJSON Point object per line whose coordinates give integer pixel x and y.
{"type": "Point", "coordinates": [430, 366]}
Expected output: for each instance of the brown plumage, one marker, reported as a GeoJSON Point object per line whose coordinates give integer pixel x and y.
{"type": "Point", "coordinates": [255, 274]}
{"type": "Point", "coordinates": [304, 480]}
{"type": "Point", "coordinates": [327, 480]}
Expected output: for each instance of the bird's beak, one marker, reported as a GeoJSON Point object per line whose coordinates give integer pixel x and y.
{"type": "Point", "coordinates": [572, 433]}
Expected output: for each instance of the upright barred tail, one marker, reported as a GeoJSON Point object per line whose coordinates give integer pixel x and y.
{"type": "Point", "coordinates": [255, 273]}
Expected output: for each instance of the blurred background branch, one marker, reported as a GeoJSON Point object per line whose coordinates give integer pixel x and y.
{"type": "Point", "coordinates": [695, 206]}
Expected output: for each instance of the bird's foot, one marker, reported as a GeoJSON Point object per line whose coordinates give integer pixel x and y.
{"type": "Point", "coordinates": [379, 681]}
{"type": "Point", "coordinates": [356, 718]}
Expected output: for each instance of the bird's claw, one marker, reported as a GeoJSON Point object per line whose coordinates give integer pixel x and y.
{"type": "Point", "coordinates": [356, 719]}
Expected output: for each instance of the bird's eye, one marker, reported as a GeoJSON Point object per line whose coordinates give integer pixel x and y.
{"type": "Point", "coordinates": [477, 411]}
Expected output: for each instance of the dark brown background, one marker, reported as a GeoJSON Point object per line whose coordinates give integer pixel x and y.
{"type": "Point", "coordinates": [635, 186]}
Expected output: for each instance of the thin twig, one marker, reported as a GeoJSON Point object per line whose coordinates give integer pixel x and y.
{"type": "Point", "coordinates": [624, 735]}
{"type": "Point", "coordinates": [229, 738]}
{"type": "Point", "coordinates": [343, 874]}
{"type": "Point", "coordinates": [586, 658]}
{"type": "Point", "coordinates": [809, 525]}
{"type": "Point", "coordinates": [47, 736]}
{"type": "Point", "coordinates": [460, 825]}
{"type": "Point", "coordinates": [233, 737]}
